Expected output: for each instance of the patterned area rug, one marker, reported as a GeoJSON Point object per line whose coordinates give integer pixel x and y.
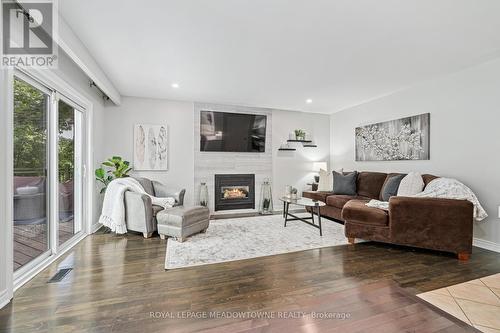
{"type": "Point", "coordinates": [251, 237]}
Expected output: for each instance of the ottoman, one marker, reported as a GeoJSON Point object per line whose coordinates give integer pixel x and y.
{"type": "Point", "coordinates": [181, 222]}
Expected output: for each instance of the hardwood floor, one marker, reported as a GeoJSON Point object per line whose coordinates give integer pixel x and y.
{"type": "Point", "coordinates": [119, 284]}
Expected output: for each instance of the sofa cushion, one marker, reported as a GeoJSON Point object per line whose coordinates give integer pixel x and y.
{"type": "Point", "coordinates": [390, 187]}
{"type": "Point", "coordinates": [389, 175]}
{"type": "Point", "coordinates": [325, 181]}
{"type": "Point", "coordinates": [339, 201]}
{"type": "Point", "coordinates": [344, 184]}
{"type": "Point", "coordinates": [411, 184]}
{"type": "Point", "coordinates": [369, 184]}
{"type": "Point", "coordinates": [357, 211]}
{"type": "Point", "coordinates": [316, 195]}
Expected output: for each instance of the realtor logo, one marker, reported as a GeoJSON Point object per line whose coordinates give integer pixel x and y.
{"type": "Point", "coordinates": [28, 34]}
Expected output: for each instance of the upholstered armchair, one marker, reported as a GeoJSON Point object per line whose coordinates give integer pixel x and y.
{"type": "Point", "coordinates": [140, 213]}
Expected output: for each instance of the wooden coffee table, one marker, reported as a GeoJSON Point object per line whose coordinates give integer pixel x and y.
{"type": "Point", "coordinates": [315, 206]}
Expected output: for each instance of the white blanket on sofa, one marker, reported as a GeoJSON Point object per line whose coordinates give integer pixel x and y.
{"type": "Point", "coordinates": [449, 188]}
{"type": "Point", "coordinates": [446, 188]}
{"type": "Point", "coordinates": [113, 209]}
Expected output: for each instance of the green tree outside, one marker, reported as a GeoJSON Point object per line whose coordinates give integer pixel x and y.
{"type": "Point", "coordinates": [30, 133]}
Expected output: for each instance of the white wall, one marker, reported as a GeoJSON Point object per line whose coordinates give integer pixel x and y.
{"type": "Point", "coordinates": [295, 167]}
{"type": "Point", "coordinates": [465, 144]}
{"type": "Point", "coordinates": [283, 168]}
{"type": "Point", "coordinates": [118, 137]}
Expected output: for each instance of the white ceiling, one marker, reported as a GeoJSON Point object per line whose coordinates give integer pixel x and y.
{"type": "Point", "coordinates": [278, 53]}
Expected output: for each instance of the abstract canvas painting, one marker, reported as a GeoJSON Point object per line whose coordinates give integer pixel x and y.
{"type": "Point", "coordinates": [395, 140]}
{"type": "Point", "coordinates": [150, 147]}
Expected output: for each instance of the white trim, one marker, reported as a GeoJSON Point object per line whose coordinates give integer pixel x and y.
{"type": "Point", "coordinates": [54, 82]}
{"type": "Point", "coordinates": [87, 172]}
{"type": "Point", "coordinates": [23, 76]}
{"type": "Point", "coordinates": [53, 146]}
{"type": "Point", "coordinates": [485, 244]}
{"type": "Point", "coordinates": [6, 228]}
{"type": "Point", "coordinates": [5, 298]}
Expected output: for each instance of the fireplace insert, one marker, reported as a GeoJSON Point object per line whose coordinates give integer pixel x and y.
{"type": "Point", "coordinates": [234, 192]}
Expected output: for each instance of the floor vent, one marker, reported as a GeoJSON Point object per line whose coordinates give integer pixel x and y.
{"type": "Point", "coordinates": [60, 275]}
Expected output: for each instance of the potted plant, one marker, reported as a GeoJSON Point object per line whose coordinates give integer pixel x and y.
{"type": "Point", "coordinates": [300, 134]}
{"type": "Point", "coordinates": [116, 168]}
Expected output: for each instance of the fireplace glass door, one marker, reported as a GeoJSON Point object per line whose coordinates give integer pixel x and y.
{"type": "Point", "coordinates": [234, 192]}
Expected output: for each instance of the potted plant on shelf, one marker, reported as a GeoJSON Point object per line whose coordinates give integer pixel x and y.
{"type": "Point", "coordinates": [117, 168]}
{"type": "Point", "coordinates": [300, 135]}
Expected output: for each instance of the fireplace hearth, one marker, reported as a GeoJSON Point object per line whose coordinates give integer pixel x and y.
{"type": "Point", "coordinates": [234, 191]}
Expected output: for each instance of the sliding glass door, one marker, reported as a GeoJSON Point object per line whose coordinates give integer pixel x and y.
{"type": "Point", "coordinates": [70, 126]}
{"type": "Point", "coordinates": [31, 164]}
{"type": "Point", "coordinates": [48, 172]}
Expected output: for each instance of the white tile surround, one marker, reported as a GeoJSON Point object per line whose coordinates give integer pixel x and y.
{"type": "Point", "coordinates": [207, 164]}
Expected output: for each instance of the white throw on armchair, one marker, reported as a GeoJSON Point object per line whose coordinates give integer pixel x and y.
{"type": "Point", "coordinates": [140, 213]}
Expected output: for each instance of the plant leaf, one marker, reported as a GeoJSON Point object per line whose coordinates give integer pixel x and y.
{"type": "Point", "coordinates": [99, 173]}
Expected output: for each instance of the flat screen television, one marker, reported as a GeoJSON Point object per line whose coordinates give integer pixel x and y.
{"type": "Point", "coordinates": [232, 132]}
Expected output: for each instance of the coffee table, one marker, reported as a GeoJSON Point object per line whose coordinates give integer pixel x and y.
{"type": "Point", "coordinates": [315, 206]}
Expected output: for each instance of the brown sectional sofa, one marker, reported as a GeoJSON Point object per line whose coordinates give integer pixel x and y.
{"type": "Point", "coordinates": [430, 223]}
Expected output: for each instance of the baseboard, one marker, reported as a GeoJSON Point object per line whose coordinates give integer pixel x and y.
{"type": "Point", "coordinates": [4, 298]}
{"type": "Point", "coordinates": [484, 244]}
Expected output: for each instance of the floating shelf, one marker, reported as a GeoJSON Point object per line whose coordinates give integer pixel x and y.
{"type": "Point", "coordinates": [310, 146]}
{"type": "Point", "coordinates": [303, 141]}
{"type": "Point", "coordinates": [287, 149]}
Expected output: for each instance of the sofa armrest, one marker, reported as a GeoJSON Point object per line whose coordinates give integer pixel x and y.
{"type": "Point", "coordinates": [316, 195]}
{"type": "Point", "coordinates": [139, 212]}
{"type": "Point", "coordinates": [435, 223]}
{"type": "Point", "coordinates": [163, 191]}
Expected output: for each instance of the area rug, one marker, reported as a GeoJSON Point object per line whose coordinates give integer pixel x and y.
{"type": "Point", "coordinates": [250, 237]}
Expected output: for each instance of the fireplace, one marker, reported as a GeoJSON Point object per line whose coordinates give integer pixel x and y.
{"type": "Point", "coordinates": [234, 192]}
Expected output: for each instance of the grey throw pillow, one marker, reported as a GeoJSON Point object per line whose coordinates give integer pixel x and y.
{"type": "Point", "coordinates": [345, 183]}
{"type": "Point", "coordinates": [391, 187]}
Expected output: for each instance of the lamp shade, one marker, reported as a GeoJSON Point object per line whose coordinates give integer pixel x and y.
{"type": "Point", "coordinates": [320, 165]}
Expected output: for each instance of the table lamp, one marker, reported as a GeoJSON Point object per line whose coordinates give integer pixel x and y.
{"type": "Point", "coordinates": [318, 166]}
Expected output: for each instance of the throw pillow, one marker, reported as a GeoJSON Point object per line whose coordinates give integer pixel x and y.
{"type": "Point", "coordinates": [326, 180]}
{"type": "Point", "coordinates": [391, 187]}
{"type": "Point", "coordinates": [345, 184]}
{"type": "Point", "coordinates": [411, 184]}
